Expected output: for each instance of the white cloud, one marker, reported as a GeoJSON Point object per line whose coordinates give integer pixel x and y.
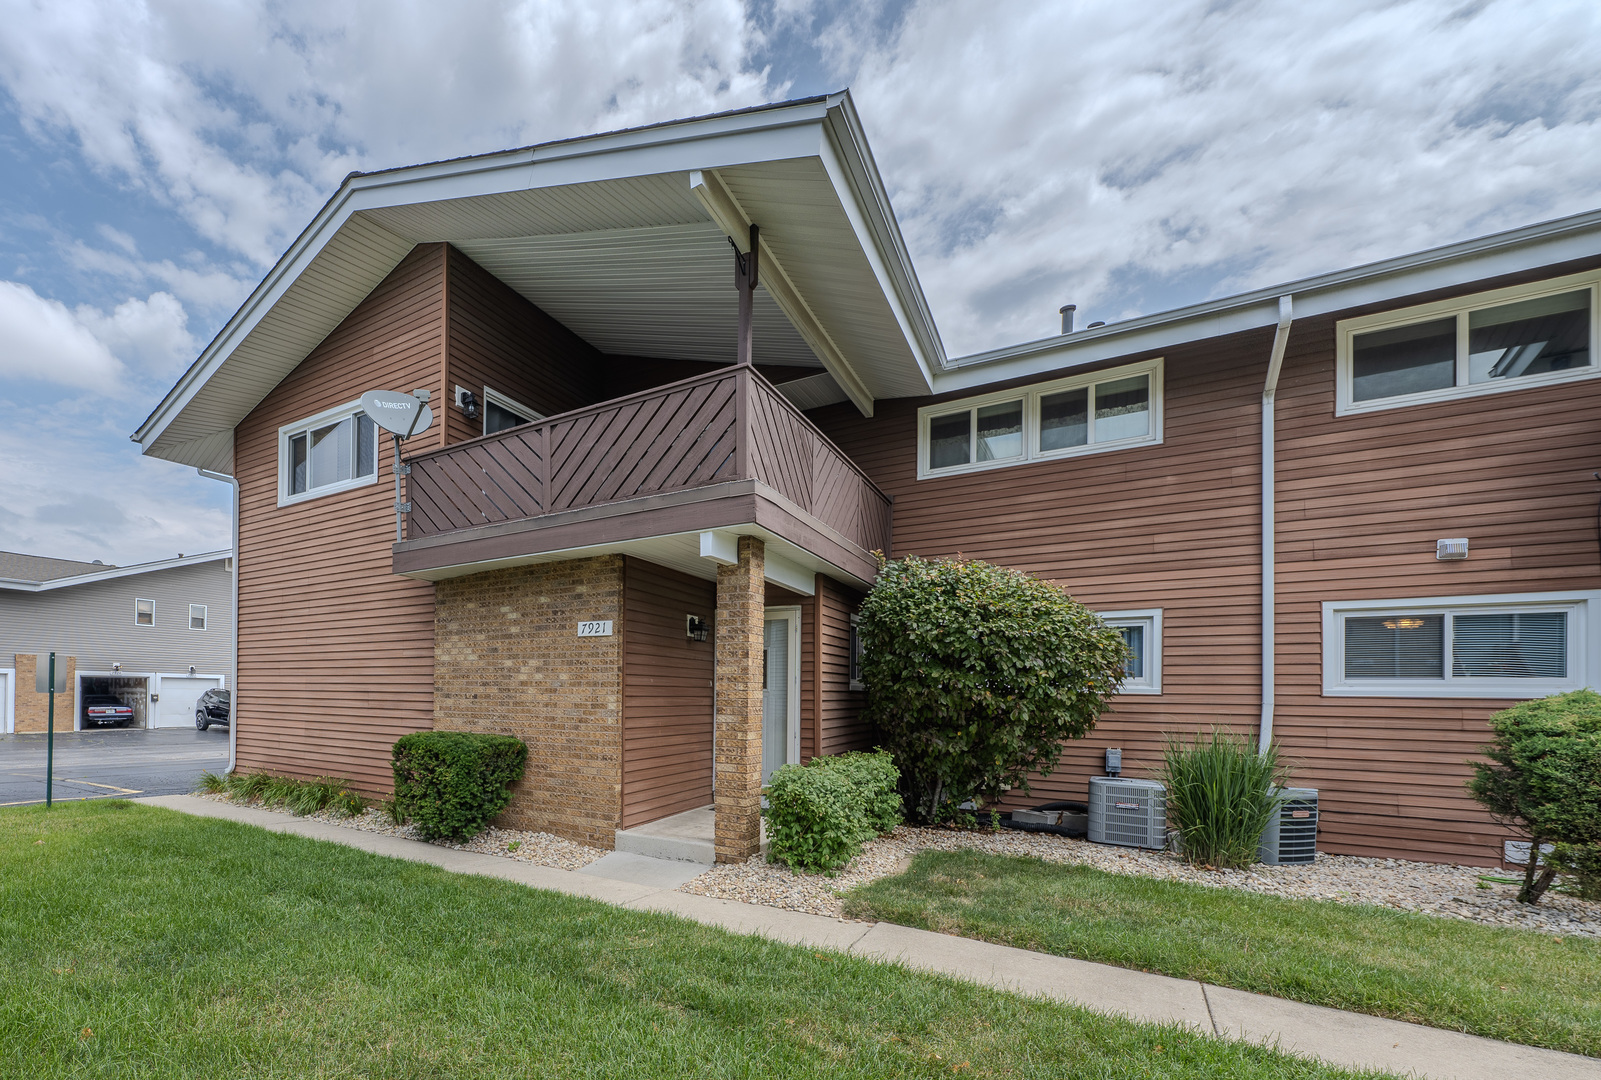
{"type": "Point", "coordinates": [45, 342]}
{"type": "Point", "coordinates": [153, 333]}
{"type": "Point", "coordinates": [1131, 156]}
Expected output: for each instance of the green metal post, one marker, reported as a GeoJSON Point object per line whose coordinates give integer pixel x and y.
{"type": "Point", "coordinates": [50, 737]}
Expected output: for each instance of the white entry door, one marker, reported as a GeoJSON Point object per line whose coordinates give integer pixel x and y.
{"type": "Point", "coordinates": [178, 695]}
{"type": "Point", "coordinates": [780, 690]}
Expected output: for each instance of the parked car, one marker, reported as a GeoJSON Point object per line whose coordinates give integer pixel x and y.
{"type": "Point", "coordinates": [105, 709]}
{"type": "Point", "coordinates": [212, 708]}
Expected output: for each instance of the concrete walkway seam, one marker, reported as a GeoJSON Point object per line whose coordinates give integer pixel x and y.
{"type": "Point", "coordinates": [1346, 1039]}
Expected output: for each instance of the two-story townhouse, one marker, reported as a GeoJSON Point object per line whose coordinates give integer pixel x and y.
{"type": "Point", "coordinates": [685, 384]}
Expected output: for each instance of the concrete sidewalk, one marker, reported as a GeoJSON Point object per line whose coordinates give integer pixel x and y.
{"type": "Point", "coordinates": [1348, 1039]}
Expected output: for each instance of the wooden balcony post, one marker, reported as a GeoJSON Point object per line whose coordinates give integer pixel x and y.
{"type": "Point", "coordinates": [737, 792]}
{"type": "Point", "coordinates": [745, 282]}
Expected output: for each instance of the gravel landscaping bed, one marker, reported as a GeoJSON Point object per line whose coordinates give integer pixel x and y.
{"type": "Point", "coordinates": [1444, 891]}
{"type": "Point", "coordinates": [539, 848]}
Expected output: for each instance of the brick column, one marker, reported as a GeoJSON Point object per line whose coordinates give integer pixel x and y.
{"type": "Point", "coordinates": [31, 709]}
{"type": "Point", "coordinates": [741, 600]}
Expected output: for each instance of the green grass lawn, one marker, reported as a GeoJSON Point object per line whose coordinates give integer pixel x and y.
{"type": "Point", "coordinates": [1517, 985]}
{"type": "Point", "coordinates": [137, 942]}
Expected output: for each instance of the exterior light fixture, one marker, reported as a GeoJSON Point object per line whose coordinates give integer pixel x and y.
{"type": "Point", "coordinates": [116, 667]}
{"type": "Point", "coordinates": [1454, 548]}
{"type": "Point", "coordinates": [191, 669]}
{"type": "Point", "coordinates": [695, 628]}
{"type": "Point", "coordinates": [468, 402]}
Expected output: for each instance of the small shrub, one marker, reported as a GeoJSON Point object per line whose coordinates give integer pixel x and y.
{"type": "Point", "coordinates": [1580, 866]}
{"type": "Point", "coordinates": [1543, 779]}
{"type": "Point", "coordinates": [819, 813]}
{"type": "Point", "coordinates": [299, 797]}
{"type": "Point", "coordinates": [1220, 797]}
{"type": "Point", "coordinates": [976, 674]}
{"type": "Point", "coordinates": [450, 783]}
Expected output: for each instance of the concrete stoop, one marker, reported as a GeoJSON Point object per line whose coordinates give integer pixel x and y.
{"type": "Point", "coordinates": [687, 837]}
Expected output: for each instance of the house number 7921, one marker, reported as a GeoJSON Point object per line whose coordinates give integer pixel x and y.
{"type": "Point", "coordinates": [598, 628]}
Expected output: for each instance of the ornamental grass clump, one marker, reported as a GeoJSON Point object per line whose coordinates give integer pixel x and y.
{"type": "Point", "coordinates": [299, 797]}
{"type": "Point", "coordinates": [976, 674]}
{"type": "Point", "coordinates": [1220, 797]}
{"type": "Point", "coordinates": [819, 814]}
{"type": "Point", "coordinates": [1543, 780]}
{"type": "Point", "coordinates": [450, 783]}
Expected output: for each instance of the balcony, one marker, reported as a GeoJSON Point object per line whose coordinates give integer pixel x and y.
{"type": "Point", "coordinates": [721, 450]}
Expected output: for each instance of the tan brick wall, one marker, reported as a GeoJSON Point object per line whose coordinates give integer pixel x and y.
{"type": "Point", "coordinates": [741, 605]}
{"type": "Point", "coordinates": [32, 708]}
{"type": "Point", "coordinates": [508, 659]}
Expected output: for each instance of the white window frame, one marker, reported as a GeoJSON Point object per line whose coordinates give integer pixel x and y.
{"type": "Point", "coordinates": [1346, 330]}
{"type": "Point", "coordinates": [144, 600]}
{"type": "Point", "coordinates": [857, 651]}
{"type": "Point", "coordinates": [1584, 641]}
{"type": "Point", "coordinates": [1151, 620]}
{"type": "Point", "coordinates": [1030, 397]}
{"type": "Point", "coordinates": [202, 608]}
{"type": "Point", "coordinates": [322, 419]}
{"type": "Point", "coordinates": [508, 403]}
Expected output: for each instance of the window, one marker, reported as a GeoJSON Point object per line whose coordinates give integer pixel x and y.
{"type": "Point", "coordinates": [501, 412]}
{"type": "Point", "coordinates": [856, 654]}
{"type": "Point", "coordinates": [144, 613]}
{"type": "Point", "coordinates": [333, 451]}
{"type": "Point", "coordinates": [1527, 335]}
{"type": "Point", "coordinates": [1084, 414]}
{"type": "Point", "coordinates": [1519, 646]}
{"type": "Point", "coordinates": [1142, 633]}
{"type": "Point", "coordinates": [197, 616]}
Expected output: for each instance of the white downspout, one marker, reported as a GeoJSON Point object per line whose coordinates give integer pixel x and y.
{"type": "Point", "coordinates": [1281, 337]}
{"type": "Point", "coordinates": [233, 672]}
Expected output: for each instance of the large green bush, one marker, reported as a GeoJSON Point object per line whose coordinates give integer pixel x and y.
{"type": "Point", "coordinates": [819, 813]}
{"type": "Point", "coordinates": [1544, 780]}
{"type": "Point", "coordinates": [976, 674]}
{"type": "Point", "coordinates": [1220, 797]}
{"type": "Point", "coordinates": [450, 783]}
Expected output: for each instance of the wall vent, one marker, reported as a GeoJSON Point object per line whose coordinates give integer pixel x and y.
{"type": "Point", "coordinates": [1291, 835]}
{"type": "Point", "coordinates": [1132, 813]}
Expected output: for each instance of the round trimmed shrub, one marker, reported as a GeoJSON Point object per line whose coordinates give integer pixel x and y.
{"type": "Point", "coordinates": [976, 674]}
{"type": "Point", "coordinates": [450, 783]}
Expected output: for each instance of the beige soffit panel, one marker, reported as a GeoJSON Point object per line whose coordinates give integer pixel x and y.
{"type": "Point", "coordinates": [813, 391]}
{"type": "Point", "coordinates": [665, 292]}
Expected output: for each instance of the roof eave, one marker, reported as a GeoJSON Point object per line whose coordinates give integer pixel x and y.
{"type": "Point", "coordinates": [112, 573]}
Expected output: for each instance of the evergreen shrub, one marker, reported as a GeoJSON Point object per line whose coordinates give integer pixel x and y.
{"type": "Point", "coordinates": [450, 783]}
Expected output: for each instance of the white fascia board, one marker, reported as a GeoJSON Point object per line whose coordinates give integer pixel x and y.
{"type": "Point", "coordinates": [1453, 266]}
{"type": "Point", "coordinates": [112, 573]}
{"type": "Point", "coordinates": [861, 190]}
{"type": "Point", "coordinates": [760, 135]}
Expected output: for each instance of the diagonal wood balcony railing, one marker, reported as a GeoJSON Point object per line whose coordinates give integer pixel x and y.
{"type": "Point", "coordinates": [727, 425]}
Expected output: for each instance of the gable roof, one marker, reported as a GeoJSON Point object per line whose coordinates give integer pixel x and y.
{"type": "Point", "coordinates": [38, 573]}
{"type": "Point", "coordinates": [622, 237]}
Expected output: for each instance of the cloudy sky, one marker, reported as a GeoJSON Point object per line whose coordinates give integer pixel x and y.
{"type": "Point", "coordinates": [1129, 155]}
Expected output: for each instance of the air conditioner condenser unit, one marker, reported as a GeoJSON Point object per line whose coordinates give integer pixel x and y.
{"type": "Point", "coordinates": [1291, 834]}
{"type": "Point", "coordinates": [1132, 813]}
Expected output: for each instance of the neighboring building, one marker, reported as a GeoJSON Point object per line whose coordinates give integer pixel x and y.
{"type": "Point", "coordinates": [641, 553]}
{"type": "Point", "coordinates": [156, 636]}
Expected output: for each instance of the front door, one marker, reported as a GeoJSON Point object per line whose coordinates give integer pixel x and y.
{"type": "Point", "coordinates": [780, 690]}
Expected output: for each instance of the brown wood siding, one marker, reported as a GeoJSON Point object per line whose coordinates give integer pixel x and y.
{"type": "Point", "coordinates": [1360, 502]}
{"type": "Point", "coordinates": [335, 651]}
{"type": "Point", "coordinates": [667, 694]}
{"type": "Point", "coordinates": [500, 340]}
{"type": "Point", "coordinates": [840, 725]}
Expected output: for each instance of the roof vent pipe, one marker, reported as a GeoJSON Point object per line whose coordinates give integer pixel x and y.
{"type": "Point", "coordinates": [1067, 317]}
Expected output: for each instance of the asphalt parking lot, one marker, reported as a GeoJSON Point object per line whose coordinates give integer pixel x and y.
{"type": "Point", "coordinates": [117, 763]}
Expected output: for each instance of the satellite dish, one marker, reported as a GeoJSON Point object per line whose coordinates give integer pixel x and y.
{"type": "Point", "coordinates": [396, 412]}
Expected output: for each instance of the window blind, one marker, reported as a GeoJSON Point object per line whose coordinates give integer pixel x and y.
{"type": "Point", "coordinates": [1395, 647]}
{"type": "Point", "coordinates": [1521, 645]}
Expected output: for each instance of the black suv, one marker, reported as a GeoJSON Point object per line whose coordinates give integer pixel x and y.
{"type": "Point", "coordinates": [212, 708]}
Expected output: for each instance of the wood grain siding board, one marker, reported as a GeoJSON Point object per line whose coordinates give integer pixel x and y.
{"type": "Point", "coordinates": [335, 651]}
{"type": "Point", "coordinates": [667, 694]}
{"type": "Point", "coordinates": [840, 724]}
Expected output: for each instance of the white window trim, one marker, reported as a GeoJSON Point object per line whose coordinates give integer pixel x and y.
{"type": "Point", "coordinates": [1030, 396]}
{"type": "Point", "coordinates": [202, 608]}
{"type": "Point", "coordinates": [1584, 646]}
{"type": "Point", "coordinates": [1151, 619]}
{"type": "Point", "coordinates": [1346, 330]}
{"type": "Point", "coordinates": [792, 734]}
{"type": "Point", "coordinates": [322, 419]}
{"type": "Point", "coordinates": [143, 600]}
{"type": "Point", "coordinates": [853, 663]}
{"type": "Point", "coordinates": [511, 404]}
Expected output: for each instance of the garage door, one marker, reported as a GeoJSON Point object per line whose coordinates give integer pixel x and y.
{"type": "Point", "coordinates": [7, 714]}
{"type": "Point", "coordinates": [178, 696]}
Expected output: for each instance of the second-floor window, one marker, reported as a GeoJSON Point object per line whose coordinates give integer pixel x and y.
{"type": "Point", "coordinates": [501, 412]}
{"type": "Point", "coordinates": [332, 451]}
{"type": "Point", "coordinates": [1083, 414]}
{"type": "Point", "coordinates": [197, 616]}
{"type": "Point", "coordinates": [144, 613]}
{"type": "Point", "coordinates": [1526, 335]}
